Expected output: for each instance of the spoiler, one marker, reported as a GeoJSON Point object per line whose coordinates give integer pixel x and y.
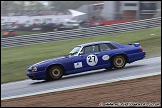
{"type": "Point", "coordinates": [135, 44]}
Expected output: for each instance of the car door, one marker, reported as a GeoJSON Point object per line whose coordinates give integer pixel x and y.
{"type": "Point", "coordinates": [88, 60]}
{"type": "Point", "coordinates": [106, 51]}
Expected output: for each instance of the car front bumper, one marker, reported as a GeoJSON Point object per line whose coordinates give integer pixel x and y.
{"type": "Point", "coordinates": [39, 75]}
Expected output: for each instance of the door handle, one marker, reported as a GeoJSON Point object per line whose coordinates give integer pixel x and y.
{"type": "Point", "coordinates": [96, 53]}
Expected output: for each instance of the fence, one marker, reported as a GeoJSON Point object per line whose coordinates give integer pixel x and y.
{"type": "Point", "coordinates": [79, 33]}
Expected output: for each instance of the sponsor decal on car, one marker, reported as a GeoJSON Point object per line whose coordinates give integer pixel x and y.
{"type": "Point", "coordinates": [105, 57]}
{"type": "Point", "coordinates": [78, 65]}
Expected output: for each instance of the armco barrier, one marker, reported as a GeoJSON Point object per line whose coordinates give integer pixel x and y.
{"type": "Point", "coordinates": [79, 33]}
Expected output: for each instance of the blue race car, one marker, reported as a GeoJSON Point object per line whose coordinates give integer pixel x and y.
{"type": "Point", "coordinates": [86, 57]}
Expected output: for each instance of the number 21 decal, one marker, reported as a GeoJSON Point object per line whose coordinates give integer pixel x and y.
{"type": "Point", "coordinates": [92, 60]}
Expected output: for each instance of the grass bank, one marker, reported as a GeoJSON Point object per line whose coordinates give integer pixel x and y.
{"type": "Point", "coordinates": [20, 33]}
{"type": "Point", "coordinates": [15, 60]}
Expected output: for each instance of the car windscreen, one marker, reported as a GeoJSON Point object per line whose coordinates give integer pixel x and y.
{"type": "Point", "coordinates": [75, 50]}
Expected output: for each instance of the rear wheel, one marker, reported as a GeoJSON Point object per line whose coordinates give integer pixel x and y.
{"type": "Point", "coordinates": [118, 62]}
{"type": "Point", "coordinates": [54, 73]}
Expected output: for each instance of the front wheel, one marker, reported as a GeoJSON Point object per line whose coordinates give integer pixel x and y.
{"type": "Point", "coordinates": [54, 73]}
{"type": "Point", "coordinates": [118, 62]}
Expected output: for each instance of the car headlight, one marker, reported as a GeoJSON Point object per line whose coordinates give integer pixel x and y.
{"type": "Point", "coordinates": [34, 69]}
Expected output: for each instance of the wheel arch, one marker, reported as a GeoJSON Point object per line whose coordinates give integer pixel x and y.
{"type": "Point", "coordinates": [62, 67]}
{"type": "Point", "coordinates": [123, 54]}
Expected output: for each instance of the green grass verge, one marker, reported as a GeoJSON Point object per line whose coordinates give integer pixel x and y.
{"type": "Point", "coordinates": [15, 60]}
{"type": "Point", "coordinates": [19, 33]}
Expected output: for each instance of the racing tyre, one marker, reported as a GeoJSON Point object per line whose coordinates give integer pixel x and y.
{"type": "Point", "coordinates": [118, 62]}
{"type": "Point", "coordinates": [54, 73]}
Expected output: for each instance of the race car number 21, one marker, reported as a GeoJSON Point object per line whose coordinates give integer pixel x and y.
{"type": "Point", "coordinates": [92, 60]}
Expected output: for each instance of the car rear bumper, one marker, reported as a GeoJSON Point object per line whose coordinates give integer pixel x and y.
{"type": "Point", "coordinates": [136, 56]}
{"type": "Point", "coordinates": [40, 75]}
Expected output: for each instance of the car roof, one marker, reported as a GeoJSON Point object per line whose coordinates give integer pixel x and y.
{"type": "Point", "coordinates": [92, 43]}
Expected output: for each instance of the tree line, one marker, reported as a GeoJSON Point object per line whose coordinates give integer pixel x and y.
{"type": "Point", "coordinates": [59, 6]}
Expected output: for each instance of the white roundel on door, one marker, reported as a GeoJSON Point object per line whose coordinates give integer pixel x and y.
{"type": "Point", "coordinates": [92, 60]}
{"type": "Point", "coordinates": [105, 57]}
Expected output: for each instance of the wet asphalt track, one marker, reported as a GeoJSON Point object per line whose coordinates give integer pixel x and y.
{"type": "Point", "coordinates": [141, 67]}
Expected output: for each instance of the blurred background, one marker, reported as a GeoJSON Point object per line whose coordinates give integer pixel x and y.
{"type": "Point", "coordinates": [30, 17]}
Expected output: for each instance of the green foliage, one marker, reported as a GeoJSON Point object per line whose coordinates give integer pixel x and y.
{"type": "Point", "coordinates": [61, 6]}
{"type": "Point", "coordinates": [20, 5]}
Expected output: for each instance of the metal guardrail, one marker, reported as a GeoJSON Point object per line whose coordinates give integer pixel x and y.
{"type": "Point", "coordinates": [79, 33]}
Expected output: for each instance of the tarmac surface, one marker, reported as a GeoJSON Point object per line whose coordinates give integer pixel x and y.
{"type": "Point", "coordinates": [136, 92]}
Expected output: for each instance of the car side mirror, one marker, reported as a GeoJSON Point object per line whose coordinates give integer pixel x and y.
{"type": "Point", "coordinates": [81, 53]}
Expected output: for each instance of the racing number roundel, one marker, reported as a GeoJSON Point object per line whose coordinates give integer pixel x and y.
{"type": "Point", "coordinates": [92, 60]}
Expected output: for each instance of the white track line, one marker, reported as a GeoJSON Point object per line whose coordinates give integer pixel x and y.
{"type": "Point", "coordinates": [84, 85]}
